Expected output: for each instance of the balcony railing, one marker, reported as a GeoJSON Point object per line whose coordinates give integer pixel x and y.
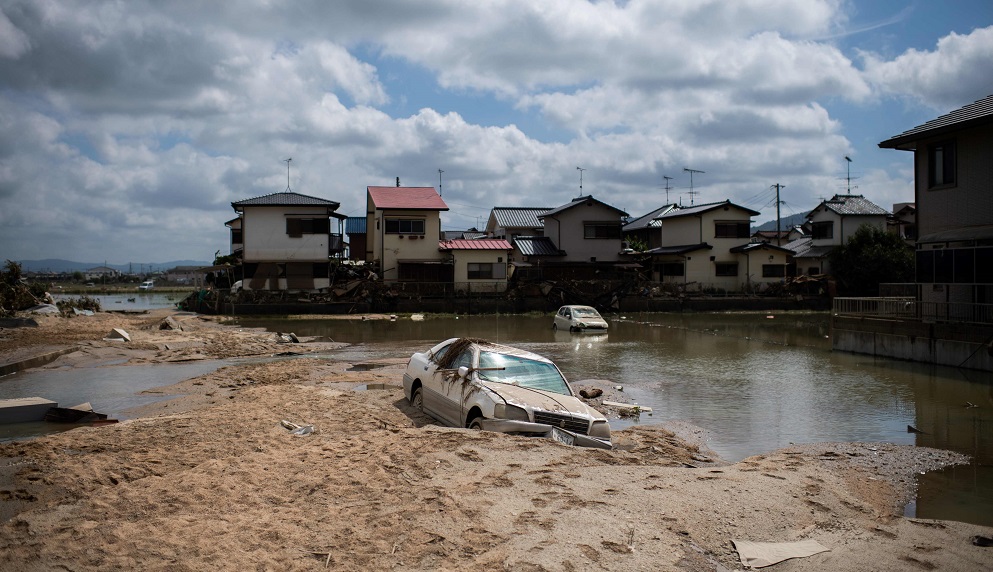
{"type": "Point", "coordinates": [911, 309]}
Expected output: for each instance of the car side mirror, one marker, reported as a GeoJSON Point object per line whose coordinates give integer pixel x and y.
{"type": "Point", "coordinates": [464, 372]}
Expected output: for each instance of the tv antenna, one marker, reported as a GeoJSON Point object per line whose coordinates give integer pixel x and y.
{"type": "Point", "coordinates": [287, 161]}
{"type": "Point", "coordinates": [692, 193]}
{"type": "Point", "coordinates": [439, 182]}
{"type": "Point", "coordinates": [667, 179]}
{"type": "Point", "coordinates": [580, 180]}
{"type": "Point", "coordinates": [848, 163]}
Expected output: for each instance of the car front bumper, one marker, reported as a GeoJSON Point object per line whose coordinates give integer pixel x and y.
{"type": "Point", "coordinates": [555, 433]}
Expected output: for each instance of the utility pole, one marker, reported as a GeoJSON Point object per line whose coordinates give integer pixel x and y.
{"type": "Point", "coordinates": [692, 192]}
{"type": "Point", "coordinates": [667, 179]}
{"type": "Point", "coordinates": [580, 180]}
{"type": "Point", "coordinates": [779, 239]}
{"type": "Point", "coordinates": [439, 183]}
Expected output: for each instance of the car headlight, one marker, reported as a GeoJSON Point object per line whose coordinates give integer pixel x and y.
{"type": "Point", "coordinates": [600, 429]}
{"type": "Point", "coordinates": [512, 412]}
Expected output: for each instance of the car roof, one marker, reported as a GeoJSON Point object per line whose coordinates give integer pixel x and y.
{"type": "Point", "coordinates": [500, 348]}
{"type": "Point", "coordinates": [579, 306]}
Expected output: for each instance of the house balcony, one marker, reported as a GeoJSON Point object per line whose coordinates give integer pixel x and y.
{"type": "Point", "coordinates": [952, 334]}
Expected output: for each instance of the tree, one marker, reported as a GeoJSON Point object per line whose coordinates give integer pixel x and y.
{"type": "Point", "coordinates": [869, 258]}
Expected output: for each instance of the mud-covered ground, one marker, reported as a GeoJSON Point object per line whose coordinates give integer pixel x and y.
{"type": "Point", "coordinates": [213, 480]}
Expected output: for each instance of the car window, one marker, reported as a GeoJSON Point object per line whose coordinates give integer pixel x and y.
{"type": "Point", "coordinates": [464, 360]}
{"type": "Point", "coordinates": [586, 313]}
{"type": "Point", "coordinates": [436, 356]}
{"type": "Point", "coordinates": [523, 372]}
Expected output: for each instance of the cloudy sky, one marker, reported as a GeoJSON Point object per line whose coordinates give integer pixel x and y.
{"type": "Point", "coordinates": [128, 128]}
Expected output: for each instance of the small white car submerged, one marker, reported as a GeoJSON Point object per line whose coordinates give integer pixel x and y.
{"type": "Point", "coordinates": [146, 285]}
{"type": "Point", "coordinates": [579, 319]}
{"type": "Point", "coordinates": [465, 382]}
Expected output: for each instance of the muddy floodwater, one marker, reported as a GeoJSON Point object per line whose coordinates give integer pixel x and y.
{"type": "Point", "coordinates": [755, 382]}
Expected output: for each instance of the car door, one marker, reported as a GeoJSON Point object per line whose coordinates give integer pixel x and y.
{"type": "Point", "coordinates": [432, 385]}
{"type": "Point", "coordinates": [452, 390]}
{"type": "Point", "coordinates": [563, 319]}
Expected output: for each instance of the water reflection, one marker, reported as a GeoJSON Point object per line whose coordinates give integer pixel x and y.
{"type": "Point", "coordinates": [756, 383]}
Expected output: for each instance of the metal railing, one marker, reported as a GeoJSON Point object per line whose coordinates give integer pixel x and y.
{"type": "Point", "coordinates": [905, 308]}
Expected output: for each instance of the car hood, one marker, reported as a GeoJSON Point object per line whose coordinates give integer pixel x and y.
{"type": "Point", "coordinates": [537, 399]}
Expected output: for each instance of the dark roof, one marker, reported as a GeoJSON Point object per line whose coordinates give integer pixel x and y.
{"type": "Point", "coordinates": [698, 209]}
{"type": "Point", "coordinates": [800, 245]}
{"type": "Point", "coordinates": [979, 112]}
{"type": "Point", "coordinates": [285, 199]}
{"type": "Point", "coordinates": [588, 199]}
{"type": "Point", "coordinates": [536, 246]}
{"type": "Point", "coordinates": [525, 217]}
{"type": "Point", "coordinates": [477, 244]}
{"type": "Point", "coordinates": [681, 249]}
{"type": "Point", "coordinates": [759, 246]}
{"type": "Point", "coordinates": [650, 220]}
{"type": "Point", "coordinates": [815, 252]}
{"type": "Point", "coordinates": [407, 198]}
{"type": "Point", "coordinates": [964, 234]}
{"type": "Point", "coordinates": [851, 205]}
{"type": "Point", "coordinates": [355, 225]}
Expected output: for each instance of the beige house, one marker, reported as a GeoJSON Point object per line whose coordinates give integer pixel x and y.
{"type": "Point", "coordinates": [709, 246]}
{"type": "Point", "coordinates": [831, 224]}
{"type": "Point", "coordinates": [953, 195]}
{"type": "Point", "coordinates": [287, 241]}
{"type": "Point", "coordinates": [478, 265]}
{"type": "Point", "coordinates": [585, 230]}
{"type": "Point", "coordinates": [403, 229]}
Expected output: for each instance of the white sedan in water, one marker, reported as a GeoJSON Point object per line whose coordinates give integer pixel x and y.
{"type": "Point", "coordinates": [579, 319]}
{"type": "Point", "coordinates": [472, 383]}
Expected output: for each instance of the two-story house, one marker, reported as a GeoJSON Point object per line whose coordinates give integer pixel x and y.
{"type": "Point", "coordinates": [403, 229]}
{"type": "Point", "coordinates": [709, 246]}
{"type": "Point", "coordinates": [585, 230]}
{"type": "Point", "coordinates": [831, 224]}
{"type": "Point", "coordinates": [287, 241]}
{"type": "Point", "coordinates": [953, 195]}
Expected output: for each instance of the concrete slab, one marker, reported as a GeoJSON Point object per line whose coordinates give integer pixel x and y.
{"type": "Point", "coordinates": [23, 409]}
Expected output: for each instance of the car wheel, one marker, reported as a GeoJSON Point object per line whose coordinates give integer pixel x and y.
{"type": "Point", "coordinates": [417, 399]}
{"type": "Point", "coordinates": [476, 424]}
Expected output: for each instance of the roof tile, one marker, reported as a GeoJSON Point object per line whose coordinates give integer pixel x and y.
{"type": "Point", "coordinates": [406, 198]}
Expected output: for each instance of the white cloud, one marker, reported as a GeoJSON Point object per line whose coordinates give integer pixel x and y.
{"type": "Point", "coordinates": [958, 71]}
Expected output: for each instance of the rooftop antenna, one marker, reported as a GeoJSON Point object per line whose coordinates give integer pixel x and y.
{"type": "Point", "coordinates": [287, 161]}
{"type": "Point", "coordinates": [667, 179]}
{"type": "Point", "coordinates": [848, 163]}
{"type": "Point", "coordinates": [440, 192]}
{"type": "Point", "coordinates": [580, 180]}
{"type": "Point", "coordinates": [692, 193]}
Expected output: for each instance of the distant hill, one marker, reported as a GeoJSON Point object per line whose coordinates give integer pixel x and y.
{"type": "Point", "coordinates": [60, 265]}
{"type": "Point", "coordinates": [784, 223]}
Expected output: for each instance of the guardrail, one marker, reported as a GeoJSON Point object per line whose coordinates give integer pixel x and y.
{"type": "Point", "coordinates": [910, 309]}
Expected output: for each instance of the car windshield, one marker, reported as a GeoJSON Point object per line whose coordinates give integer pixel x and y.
{"type": "Point", "coordinates": [585, 313]}
{"type": "Point", "coordinates": [522, 371]}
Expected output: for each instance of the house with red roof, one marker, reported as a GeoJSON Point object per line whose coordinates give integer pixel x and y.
{"type": "Point", "coordinates": [478, 265]}
{"type": "Point", "coordinates": [403, 230]}
{"type": "Point", "coordinates": [286, 241]}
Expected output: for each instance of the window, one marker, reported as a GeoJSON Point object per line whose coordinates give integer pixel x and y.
{"type": "Point", "coordinates": [297, 227]}
{"type": "Point", "coordinates": [941, 164]}
{"type": "Point", "coordinates": [671, 269]}
{"type": "Point", "coordinates": [726, 269]}
{"type": "Point", "coordinates": [731, 229]}
{"type": "Point", "coordinates": [236, 236]}
{"type": "Point", "coordinates": [404, 226]}
{"type": "Point", "coordinates": [773, 271]}
{"type": "Point", "coordinates": [480, 270]}
{"type": "Point", "coordinates": [602, 230]}
{"type": "Point", "coordinates": [822, 229]}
